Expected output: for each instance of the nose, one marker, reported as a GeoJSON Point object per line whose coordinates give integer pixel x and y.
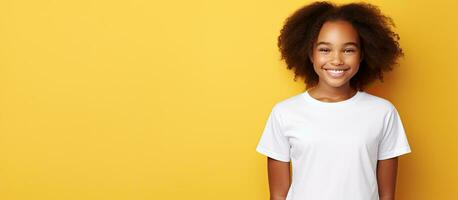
{"type": "Point", "coordinates": [336, 59]}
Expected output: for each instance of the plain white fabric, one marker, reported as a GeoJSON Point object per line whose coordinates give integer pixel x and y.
{"type": "Point", "coordinates": [333, 146]}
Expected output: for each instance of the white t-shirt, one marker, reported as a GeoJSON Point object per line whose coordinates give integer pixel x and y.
{"type": "Point", "coordinates": [333, 146]}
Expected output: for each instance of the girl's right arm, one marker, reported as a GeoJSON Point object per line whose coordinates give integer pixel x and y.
{"type": "Point", "coordinates": [279, 178]}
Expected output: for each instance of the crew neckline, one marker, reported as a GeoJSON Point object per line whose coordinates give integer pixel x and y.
{"type": "Point", "coordinates": [310, 99]}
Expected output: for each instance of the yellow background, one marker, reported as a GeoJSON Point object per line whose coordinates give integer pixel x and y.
{"type": "Point", "coordinates": [167, 99]}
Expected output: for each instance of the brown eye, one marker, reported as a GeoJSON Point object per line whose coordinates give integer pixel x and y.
{"type": "Point", "coordinates": [349, 50]}
{"type": "Point", "coordinates": [324, 50]}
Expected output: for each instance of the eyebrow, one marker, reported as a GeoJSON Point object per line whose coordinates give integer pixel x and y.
{"type": "Point", "coordinates": [347, 43]}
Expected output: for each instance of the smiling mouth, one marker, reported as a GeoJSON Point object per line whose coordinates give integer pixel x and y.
{"type": "Point", "coordinates": [336, 70]}
{"type": "Point", "coordinates": [336, 73]}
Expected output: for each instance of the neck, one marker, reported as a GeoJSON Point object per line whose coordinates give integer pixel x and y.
{"type": "Point", "coordinates": [330, 94]}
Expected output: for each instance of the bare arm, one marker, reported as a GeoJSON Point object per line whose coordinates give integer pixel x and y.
{"type": "Point", "coordinates": [279, 178]}
{"type": "Point", "coordinates": [386, 178]}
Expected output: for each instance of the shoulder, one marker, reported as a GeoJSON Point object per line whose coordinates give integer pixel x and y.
{"type": "Point", "coordinates": [366, 101]}
{"type": "Point", "coordinates": [377, 102]}
{"type": "Point", "coordinates": [288, 104]}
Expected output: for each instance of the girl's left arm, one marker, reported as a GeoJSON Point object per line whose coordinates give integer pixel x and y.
{"type": "Point", "coordinates": [386, 178]}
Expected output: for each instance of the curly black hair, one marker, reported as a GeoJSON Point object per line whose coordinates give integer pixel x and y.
{"type": "Point", "coordinates": [379, 44]}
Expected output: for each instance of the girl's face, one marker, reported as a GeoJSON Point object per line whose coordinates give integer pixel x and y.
{"type": "Point", "coordinates": [336, 54]}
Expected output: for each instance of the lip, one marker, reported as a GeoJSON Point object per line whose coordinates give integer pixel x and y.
{"type": "Point", "coordinates": [345, 69]}
{"type": "Point", "coordinates": [336, 74]}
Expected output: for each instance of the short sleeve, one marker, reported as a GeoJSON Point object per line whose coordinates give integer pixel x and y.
{"type": "Point", "coordinates": [394, 140]}
{"type": "Point", "coordinates": [273, 142]}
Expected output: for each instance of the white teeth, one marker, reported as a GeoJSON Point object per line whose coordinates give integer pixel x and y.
{"type": "Point", "coordinates": [335, 70]}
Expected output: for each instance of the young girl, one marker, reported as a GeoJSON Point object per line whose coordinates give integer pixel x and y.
{"type": "Point", "coordinates": [343, 143]}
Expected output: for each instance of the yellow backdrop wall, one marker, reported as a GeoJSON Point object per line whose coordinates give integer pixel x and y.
{"type": "Point", "coordinates": [167, 99]}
